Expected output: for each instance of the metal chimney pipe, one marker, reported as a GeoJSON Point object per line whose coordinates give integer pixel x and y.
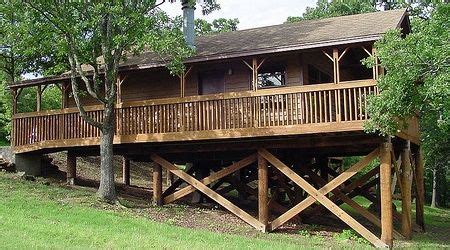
{"type": "Point", "coordinates": [188, 23]}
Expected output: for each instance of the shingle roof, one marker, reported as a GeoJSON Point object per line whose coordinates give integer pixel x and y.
{"type": "Point", "coordinates": [284, 37]}
{"type": "Point", "coordinates": [289, 36]}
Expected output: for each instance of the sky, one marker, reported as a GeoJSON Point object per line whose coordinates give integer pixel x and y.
{"type": "Point", "coordinates": [251, 13]}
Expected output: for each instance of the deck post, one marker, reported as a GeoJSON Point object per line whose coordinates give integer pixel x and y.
{"type": "Point", "coordinates": [323, 166]}
{"type": "Point", "coordinates": [385, 193]}
{"type": "Point", "coordinates": [376, 66]}
{"type": "Point", "coordinates": [38, 98]}
{"type": "Point", "coordinates": [336, 65]}
{"type": "Point", "coordinates": [63, 95]}
{"type": "Point", "coordinates": [182, 77]}
{"type": "Point", "coordinates": [169, 178]}
{"type": "Point", "coordinates": [64, 100]}
{"type": "Point", "coordinates": [157, 185]}
{"type": "Point", "coordinates": [420, 193]}
{"type": "Point", "coordinates": [126, 170]}
{"type": "Point", "coordinates": [15, 94]}
{"type": "Point", "coordinates": [71, 168]}
{"type": "Point", "coordinates": [119, 82]}
{"type": "Point", "coordinates": [406, 182]}
{"type": "Point", "coordinates": [263, 188]}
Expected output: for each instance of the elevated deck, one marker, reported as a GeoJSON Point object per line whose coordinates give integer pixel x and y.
{"type": "Point", "coordinates": [314, 109]}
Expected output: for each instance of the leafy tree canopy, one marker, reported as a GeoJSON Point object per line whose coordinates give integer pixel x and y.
{"type": "Point", "coordinates": [95, 37]}
{"type": "Point", "coordinates": [325, 8]}
{"type": "Point", "coordinates": [216, 26]}
{"type": "Point", "coordinates": [417, 82]}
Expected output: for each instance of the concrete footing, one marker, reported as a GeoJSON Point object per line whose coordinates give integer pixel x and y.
{"type": "Point", "coordinates": [31, 164]}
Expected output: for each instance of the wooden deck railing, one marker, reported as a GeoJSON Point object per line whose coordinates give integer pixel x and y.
{"type": "Point", "coordinates": [314, 104]}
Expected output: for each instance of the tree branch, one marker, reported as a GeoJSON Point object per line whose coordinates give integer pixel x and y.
{"type": "Point", "coordinates": [80, 71]}
{"type": "Point", "coordinates": [50, 17]}
{"type": "Point", "coordinates": [75, 91]}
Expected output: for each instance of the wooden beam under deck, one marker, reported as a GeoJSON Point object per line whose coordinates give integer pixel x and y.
{"type": "Point", "coordinates": [200, 135]}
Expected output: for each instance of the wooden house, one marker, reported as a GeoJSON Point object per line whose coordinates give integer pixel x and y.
{"type": "Point", "coordinates": [262, 111]}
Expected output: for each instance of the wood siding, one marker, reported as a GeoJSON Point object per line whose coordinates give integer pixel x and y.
{"type": "Point", "coordinates": [158, 84]}
{"type": "Point", "coordinates": [146, 85]}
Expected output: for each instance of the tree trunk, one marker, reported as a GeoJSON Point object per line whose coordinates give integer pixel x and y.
{"type": "Point", "coordinates": [433, 197]}
{"type": "Point", "coordinates": [107, 189]}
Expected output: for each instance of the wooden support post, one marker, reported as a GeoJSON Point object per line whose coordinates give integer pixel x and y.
{"type": "Point", "coordinates": [71, 168]}
{"type": "Point", "coordinates": [126, 170]}
{"type": "Point", "coordinates": [182, 77]}
{"type": "Point", "coordinates": [336, 65]}
{"type": "Point", "coordinates": [406, 194]}
{"type": "Point", "coordinates": [385, 193]}
{"type": "Point", "coordinates": [157, 185]}
{"type": "Point", "coordinates": [15, 95]}
{"type": "Point", "coordinates": [375, 69]}
{"type": "Point", "coordinates": [169, 178]}
{"type": "Point", "coordinates": [255, 74]}
{"type": "Point", "coordinates": [323, 166]}
{"type": "Point", "coordinates": [38, 98]}
{"type": "Point", "coordinates": [263, 188]}
{"type": "Point", "coordinates": [119, 90]}
{"type": "Point", "coordinates": [420, 192]}
{"type": "Point", "coordinates": [119, 83]}
{"type": "Point", "coordinates": [254, 67]}
{"type": "Point", "coordinates": [64, 95]}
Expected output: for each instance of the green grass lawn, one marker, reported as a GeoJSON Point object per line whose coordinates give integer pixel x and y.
{"type": "Point", "coordinates": [34, 215]}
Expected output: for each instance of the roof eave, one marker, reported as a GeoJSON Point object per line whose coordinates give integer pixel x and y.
{"type": "Point", "coordinates": [231, 55]}
{"type": "Point", "coordinates": [248, 53]}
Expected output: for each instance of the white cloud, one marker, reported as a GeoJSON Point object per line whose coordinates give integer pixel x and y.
{"type": "Point", "coordinates": [251, 13]}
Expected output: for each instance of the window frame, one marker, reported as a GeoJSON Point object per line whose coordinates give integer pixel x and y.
{"type": "Point", "coordinates": [273, 69]}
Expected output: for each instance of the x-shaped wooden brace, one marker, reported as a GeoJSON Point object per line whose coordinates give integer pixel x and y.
{"type": "Point", "coordinates": [210, 179]}
{"type": "Point", "coordinates": [358, 208]}
{"type": "Point", "coordinates": [355, 187]}
{"type": "Point", "coordinates": [200, 185]}
{"type": "Point", "coordinates": [319, 195]}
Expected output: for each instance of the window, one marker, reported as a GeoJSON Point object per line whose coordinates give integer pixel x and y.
{"type": "Point", "coordinates": [271, 77]}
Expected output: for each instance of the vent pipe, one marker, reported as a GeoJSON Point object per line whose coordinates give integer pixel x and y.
{"type": "Point", "coordinates": [188, 23]}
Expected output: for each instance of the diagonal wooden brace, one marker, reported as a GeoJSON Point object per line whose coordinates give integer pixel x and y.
{"type": "Point", "coordinates": [178, 182]}
{"type": "Point", "coordinates": [212, 178]}
{"type": "Point", "coordinates": [358, 208]}
{"type": "Point", "coordinates": [324, 190]}
{"type": "Point", "coordinates": [208, 192]}
{"type": "Point", "coordinates": [319, 195]}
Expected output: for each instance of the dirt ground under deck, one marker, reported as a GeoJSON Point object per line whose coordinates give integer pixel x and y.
{"type": "Point", "coordinates": [208, 216]}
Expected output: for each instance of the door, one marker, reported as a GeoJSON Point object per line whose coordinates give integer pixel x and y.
{"type": "Point", "coordinates": [212, 82]}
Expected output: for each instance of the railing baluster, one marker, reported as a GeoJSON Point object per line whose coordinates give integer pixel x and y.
{"type": "Point", "coordinates": [304, 106]}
